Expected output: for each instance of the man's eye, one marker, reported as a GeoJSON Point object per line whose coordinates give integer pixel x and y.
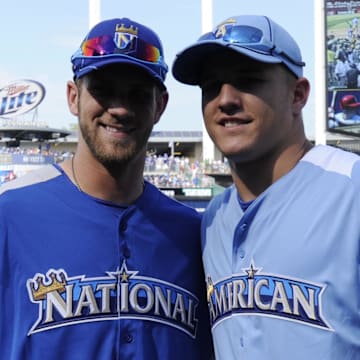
{"type": "Point", "coordinates": [246, 82]}
{"type": "Point", "coordinates": [98, 91]}
{"type": "Point", "coordinates": [140, 93]}
{"type": "Point", "coordinates": [211, 87]}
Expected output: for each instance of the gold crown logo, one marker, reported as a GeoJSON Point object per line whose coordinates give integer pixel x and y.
{"type": "Point", "coordinates": [54, 285]}
{"type": "Point", "coordinates": [129, 30]}
{"type": "Point", "coordinates": [209, 289]}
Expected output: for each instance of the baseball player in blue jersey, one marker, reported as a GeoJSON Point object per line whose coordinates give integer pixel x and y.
{"type": "Point", "coordinates": [95, 263]}
{"type": "Point", "coordinates": [281, 245]}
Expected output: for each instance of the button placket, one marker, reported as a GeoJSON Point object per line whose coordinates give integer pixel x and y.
{"type": "Point", "coordinates": [125, 251]}
{"type": "Point", "coordinates": [240, 234]}
{"type": "Point", "coordinates": [123, 225]}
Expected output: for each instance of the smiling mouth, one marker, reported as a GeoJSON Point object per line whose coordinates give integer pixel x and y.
{"type": "Point", "coordinates": [117, 130]}
{"type": "Point", "coordinates": [233, 123]}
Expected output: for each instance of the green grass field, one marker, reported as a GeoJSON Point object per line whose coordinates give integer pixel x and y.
{"type": "Point", "coordinates": [338, 25]}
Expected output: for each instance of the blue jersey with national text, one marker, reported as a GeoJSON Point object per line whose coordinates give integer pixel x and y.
{"type": "Point", "coordinates": [82, 278]}
{"type": "Point", "coordinates": [283, 279]}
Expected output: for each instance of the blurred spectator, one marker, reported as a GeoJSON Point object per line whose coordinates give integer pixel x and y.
{"type": "Point", "coordinates": [352, 77]}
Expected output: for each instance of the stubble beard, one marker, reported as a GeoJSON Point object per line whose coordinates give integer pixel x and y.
{"type": "Point", "coordinates": [114, 156]}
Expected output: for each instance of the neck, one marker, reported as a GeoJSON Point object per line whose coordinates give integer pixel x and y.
{"type": "Point", "coordinates": [253, 178]}
{"type": "Point", "coordinates": [93, 178]}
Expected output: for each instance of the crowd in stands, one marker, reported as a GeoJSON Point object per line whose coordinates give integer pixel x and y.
{"type": "Point", "coordinates": [45, 151]}
{"type": "Point", "coordinates": [173, 171]}
{"type": "Point", "coordinates": [343, 57]}
{"type": "Point", "coordinates": [164, 171]}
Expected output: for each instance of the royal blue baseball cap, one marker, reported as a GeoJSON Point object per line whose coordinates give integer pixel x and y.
{"type": "Point", "coordinates": [118, 41]}
{"type": "Point", "coordinates": [255, 36]}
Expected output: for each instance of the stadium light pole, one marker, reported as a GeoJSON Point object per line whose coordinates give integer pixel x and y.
{"type": "Point", "coordinates": [320, 73]}
{"type": "Point", "coordinates": [94, 12]}
{"type": "Point", "coordinates": [207, 24]}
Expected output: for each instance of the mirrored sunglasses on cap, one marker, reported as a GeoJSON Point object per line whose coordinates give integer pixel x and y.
{"type": "Point", "coordinates": [247, 37]}
{"type": "Point", "coordinates": [105, 45]}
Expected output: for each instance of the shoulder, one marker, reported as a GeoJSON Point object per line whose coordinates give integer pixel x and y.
{"type": "Point", "coordinates": [173, 219]}
{"type": "Point", "coordinates": [335, 160]}
{"type": "Point", "coordinates": [34, 177]}
{"type": "Point", "coordinates": [225, 197]}
{"type": "Point", "coordinates": [166, 206]}
{"type": "Point", "coordinates": [226, 201]}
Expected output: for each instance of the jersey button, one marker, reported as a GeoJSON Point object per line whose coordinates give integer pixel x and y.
{"type": "Point", "coordinates": [128, 338]}
{"type": "Point", "coordinates": [241, 341]}
{"type": "Point", "coordinates": [244, 227]}
{"type": "Point", "coordinates": [123, 226]}
{"type": "Point", "coordinates": [241, 253]}
{"type": "Point", "coordinates": [126, 252]}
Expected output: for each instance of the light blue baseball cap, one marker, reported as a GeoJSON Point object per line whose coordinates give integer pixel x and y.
{"type": "Point", "coordinates": [255, 36]}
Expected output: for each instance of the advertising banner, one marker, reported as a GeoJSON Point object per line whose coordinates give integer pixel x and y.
{"type": "Point", "coordinates": [20, 97]}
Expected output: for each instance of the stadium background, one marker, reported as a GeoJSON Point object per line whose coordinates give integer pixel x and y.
{"type": "Point", "coordinates": [173, 161]}
{"type": "Point", "coordinates": [176, 161]}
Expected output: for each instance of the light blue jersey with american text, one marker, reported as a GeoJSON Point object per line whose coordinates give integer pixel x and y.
{"type": "Point", "coordinates": [283, 277]}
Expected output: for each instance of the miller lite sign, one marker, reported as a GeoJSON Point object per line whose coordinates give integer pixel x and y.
{"type": "Point", "coordinates": [20, 97]}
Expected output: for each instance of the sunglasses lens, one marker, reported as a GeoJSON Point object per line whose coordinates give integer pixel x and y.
{"type": "Point", "coordinates": [250, 38]}
{"type": "Point", "coordinates": [105, 45]}
{"type": "Point", "coordinates": [102, 45]}
{"type": "Point", "coordinates": [147, 52]}
{"type": "Point", "coordinates": [240, 34]}
{"type": "Point", "coordinates": [243, 35]}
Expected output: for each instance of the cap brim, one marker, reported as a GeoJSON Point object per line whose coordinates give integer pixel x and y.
{"type": "Point", "coordinates": [188, 64]}
{"type": "Point", "coordinates": [118, 60]}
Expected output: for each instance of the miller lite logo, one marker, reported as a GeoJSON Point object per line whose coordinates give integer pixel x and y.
{"type": "Point", "coordinates": [20, 97]}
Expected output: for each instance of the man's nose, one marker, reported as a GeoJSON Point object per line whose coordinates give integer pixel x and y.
{"type": "Point", "coordinates": [229, 98]}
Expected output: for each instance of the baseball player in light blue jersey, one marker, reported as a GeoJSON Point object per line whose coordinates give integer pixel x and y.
{"type": "Point", "coordinates": [281, 245]}
{"type": "Point", "coordinates": [95, 263]}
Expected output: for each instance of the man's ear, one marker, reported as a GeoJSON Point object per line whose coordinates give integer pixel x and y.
{"type": "Point", "coordinates": [72, 93]}
{"type": "Point", "coordinates": [161, 103]}
{"type": "Point", "coordinates": [301, 94]}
